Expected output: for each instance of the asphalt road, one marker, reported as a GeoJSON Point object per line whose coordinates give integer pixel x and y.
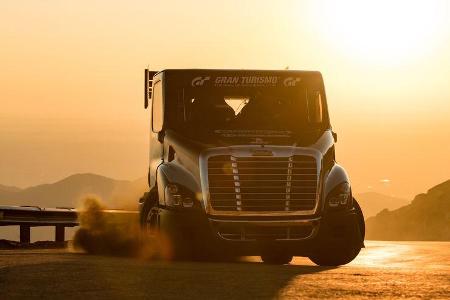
{"type": "Point", "coordinates": [382, 270]}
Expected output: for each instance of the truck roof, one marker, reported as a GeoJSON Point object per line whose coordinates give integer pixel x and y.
{"type": "Point", "coordinates": [234, 71]}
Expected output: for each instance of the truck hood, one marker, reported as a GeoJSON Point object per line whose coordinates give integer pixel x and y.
{"type": "Point", "coordinates": [317, 139]}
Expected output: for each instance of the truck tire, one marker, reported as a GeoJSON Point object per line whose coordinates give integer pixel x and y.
{"type": "Point", "coordinates": [150, 216]}
{"type": "Point", "coordinates": [276, 258]}
{"type": "Point", "coordinates": [335, 256]}
{"type": "Point", "coordinates": [362, 224]}
{"type": "Point", "coordinates": [172, 244]}
{"type": "Point", "coordinates": [346, 252]}
{"type": "Point", "coordinates": [148, 202]}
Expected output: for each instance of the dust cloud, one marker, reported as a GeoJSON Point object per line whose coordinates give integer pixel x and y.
{"type": "Point", "coordinates": [114, 233]}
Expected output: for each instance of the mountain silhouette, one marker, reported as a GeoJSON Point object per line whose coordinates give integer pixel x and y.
{"type": "Point", "coordinates": [372, 203]}
{"type": "Point", "coordinates": [69, 192]}
{"type": "Point", "coordinates": [427, 218]}
{"type": "Point", "coordinates": [7, 189]}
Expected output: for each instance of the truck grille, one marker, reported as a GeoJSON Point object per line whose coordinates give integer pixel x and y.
{"type": "Point", "coordinates": [262, 183]}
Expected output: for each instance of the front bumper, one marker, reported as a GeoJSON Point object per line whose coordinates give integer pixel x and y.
{"type": "Point", "coordinates": [252, 236]}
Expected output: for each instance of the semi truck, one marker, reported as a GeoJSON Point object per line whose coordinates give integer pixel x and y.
{"type": "Point", "coordinates": [242, 163]}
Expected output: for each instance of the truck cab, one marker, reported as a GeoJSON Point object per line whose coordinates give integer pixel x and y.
{"type": "Point", "coordinates": [242, 162]}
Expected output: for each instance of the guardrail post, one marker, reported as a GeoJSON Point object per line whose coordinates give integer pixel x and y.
{"type": "Point", "coordinates": [25, 234]}
{"type": "Point", "coordinates": [59, 233]}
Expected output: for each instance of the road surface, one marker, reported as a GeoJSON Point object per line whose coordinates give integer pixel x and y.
{"type": "Point", "coordinates": [382, 270]}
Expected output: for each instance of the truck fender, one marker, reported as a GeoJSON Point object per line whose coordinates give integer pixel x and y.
{"type": "Point", "coordinates": [336, 176]}
{"type": "Point", "coordinates": [172, 172]}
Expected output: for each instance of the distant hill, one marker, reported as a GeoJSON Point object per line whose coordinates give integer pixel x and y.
{"type": "Point", "coordinates": [69, 191]}
{"type": "Point", "coordinates": [426, 218]}
{"type": "Point", "coordinates": [372, 203]}
{"type": "Point", "coordinates": [7, 189]}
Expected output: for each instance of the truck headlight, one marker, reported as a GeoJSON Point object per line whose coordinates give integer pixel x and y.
{"type": "Point", "coordinates": [178, 196]}
{"type": "Point", "coordinates": [340, 196]}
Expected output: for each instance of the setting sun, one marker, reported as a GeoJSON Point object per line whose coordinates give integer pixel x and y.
{"type": "Point", "coordinates": [381, 32]}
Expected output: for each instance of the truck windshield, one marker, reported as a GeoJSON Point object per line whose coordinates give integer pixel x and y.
{"type": "Point", "coordinates": [235, 110]}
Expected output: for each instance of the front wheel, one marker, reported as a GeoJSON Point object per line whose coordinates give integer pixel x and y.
{"type": "Point", "coordinates": [153, 244]}
{"type": "Point", "coordinates": [150, 223]}
{"type": "Point", "coordinates": [335, 256]}
{"type": "Point", "coordinates": [163, 234]}
{"type": "Point", "coordinates": [346, 251]}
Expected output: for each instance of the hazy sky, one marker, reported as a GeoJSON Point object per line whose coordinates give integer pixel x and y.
{"type": "Point", "coordinates": [71, 84]}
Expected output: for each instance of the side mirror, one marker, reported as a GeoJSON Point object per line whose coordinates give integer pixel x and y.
{"type": "Point", "coordinates": [334, 136]}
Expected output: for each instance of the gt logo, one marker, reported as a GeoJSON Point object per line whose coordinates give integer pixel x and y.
{"type": "Point", "coordinates": [199, 81]}
{"type": "Point", "coordinates": [291, 81]}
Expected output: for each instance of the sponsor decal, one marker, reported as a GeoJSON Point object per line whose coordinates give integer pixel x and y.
{"type": "Point", "coordinates": [200, 80]}
{"type": "Point", "coordinates": [236, 81]}
{"type": "Point", "coordinates": [246, 81]}
{"type": "Point", "coordinates": [254, 134]}
{"type": "Point", "coordinates": [291, 81]}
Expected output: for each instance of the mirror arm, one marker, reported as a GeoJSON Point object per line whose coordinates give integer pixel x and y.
{"type": "Point", "coordinates": [161, 136]}
{"type": "Point", "coordinates": [334, 136]}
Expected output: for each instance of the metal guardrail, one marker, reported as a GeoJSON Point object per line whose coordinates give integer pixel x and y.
{"type": "Point", "coordinates": [33, 216]}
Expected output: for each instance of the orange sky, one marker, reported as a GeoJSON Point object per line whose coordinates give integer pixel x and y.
{"type": "Point", "coordinates": [71, 80]}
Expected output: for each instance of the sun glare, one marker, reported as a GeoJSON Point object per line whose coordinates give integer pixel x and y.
{"type": "Point", "coordinates": [381, 31]}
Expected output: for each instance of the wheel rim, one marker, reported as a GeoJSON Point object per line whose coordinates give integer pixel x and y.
{"type": "Point", "coordinates": [152, 222]}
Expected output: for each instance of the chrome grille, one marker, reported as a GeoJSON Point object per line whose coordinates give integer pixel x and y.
{"type": "Point", "coordinates": [262, 183]}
